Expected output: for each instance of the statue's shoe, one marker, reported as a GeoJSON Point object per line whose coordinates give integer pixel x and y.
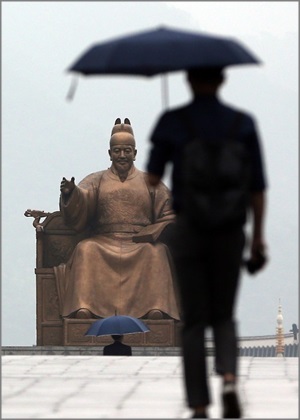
{"type": "Point", "coordinates": [84, 314]}
{"type": "Point", "coordinates": [155, 314]}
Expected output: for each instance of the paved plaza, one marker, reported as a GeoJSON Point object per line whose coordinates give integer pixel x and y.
{"type": "Point", "coordinates": [71, 387]}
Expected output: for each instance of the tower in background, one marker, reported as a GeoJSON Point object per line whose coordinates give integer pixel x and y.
{"type": "Point", "coordinates": [279, 333]}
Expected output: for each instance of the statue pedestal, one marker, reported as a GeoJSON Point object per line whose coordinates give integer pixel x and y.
{"type": "Point", "coordinates": [52, 330]}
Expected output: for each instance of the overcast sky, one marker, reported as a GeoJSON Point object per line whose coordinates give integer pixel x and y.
{"type": "Point", "coordinates": [46, 137]}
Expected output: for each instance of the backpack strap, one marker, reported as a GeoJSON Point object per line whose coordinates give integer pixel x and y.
{"type": "Point", "coordinates": [234, 128]}
{"type": "Point", "coordinates": [232, 132]}
{"type": "Point", "coordinates": [185, 118]}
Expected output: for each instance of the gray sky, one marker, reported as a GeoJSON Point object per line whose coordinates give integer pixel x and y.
{"type": "Point", "coordinates": [45, 137]}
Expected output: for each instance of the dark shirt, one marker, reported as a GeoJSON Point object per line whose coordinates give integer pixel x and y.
{"type": "Point", "coordinates": [211, 119]}
{"type": "Point", "coordinates": [117, 349]}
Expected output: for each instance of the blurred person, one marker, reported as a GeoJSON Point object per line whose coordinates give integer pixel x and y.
{"type": "Point", "coordinates": [207, 259]}
{"type": "Point", "coordinates": [117, 348]}
{"type": "Point", "coordinates": [123, 266]}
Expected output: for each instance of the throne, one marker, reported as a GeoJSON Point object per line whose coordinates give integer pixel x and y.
{"type": "Point", "coordinates": [55, 242]}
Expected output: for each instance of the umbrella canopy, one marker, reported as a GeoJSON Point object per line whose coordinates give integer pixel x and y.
{"type": "Point", "coordinates": [161, 50]}
{"type": "Point", "coordinates": [117, 325]}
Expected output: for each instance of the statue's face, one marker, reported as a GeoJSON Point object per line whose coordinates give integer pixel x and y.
{"type": "Point", "coordinates": [122, 156]}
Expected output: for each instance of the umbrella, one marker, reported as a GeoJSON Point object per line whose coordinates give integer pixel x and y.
{"type": "Point", "coordinates": [161, 50]}
{"type": "Point", "coordinates": [117, 325]}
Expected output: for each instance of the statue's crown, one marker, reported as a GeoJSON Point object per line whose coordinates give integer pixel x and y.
{"type": "Point", "coordinates": [122, 133]}
{"type": "Point", "coordinates": [122, 127]}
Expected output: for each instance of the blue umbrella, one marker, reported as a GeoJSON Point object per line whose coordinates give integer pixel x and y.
{"type": "Point", "coordinates": [117, 325]}
{"type": "Point", "coordinates": [161, 50]}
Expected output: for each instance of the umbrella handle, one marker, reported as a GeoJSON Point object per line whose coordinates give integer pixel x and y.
{"type": "Point", "coordinates": [164, 91]}
{"type": "Point", "coordinates": [72, 88]}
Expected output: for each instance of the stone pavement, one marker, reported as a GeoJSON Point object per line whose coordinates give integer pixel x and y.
{"type": "Point", "coordinates": [71, 387]}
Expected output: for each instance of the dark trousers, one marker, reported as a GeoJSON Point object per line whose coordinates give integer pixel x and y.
{"type": "Point", "coordinates": [207, 268]}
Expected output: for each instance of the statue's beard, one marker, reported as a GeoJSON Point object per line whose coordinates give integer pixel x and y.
{"type": "Point", "coordinates": [123, 166]}
{"type": "Point", "coordinates": [122, 169]}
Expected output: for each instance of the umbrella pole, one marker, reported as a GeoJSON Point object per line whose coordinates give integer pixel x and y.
{"type": "Point", "coordinates": [164, 91]}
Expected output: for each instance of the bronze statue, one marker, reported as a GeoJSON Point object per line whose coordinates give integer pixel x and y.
{"type": "Point", "coordinates": [122, 268]}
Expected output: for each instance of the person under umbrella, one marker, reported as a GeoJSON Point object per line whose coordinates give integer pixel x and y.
{"type": "Point", "coordinates": [117, 326]}
{"type": "Point", "coordinates": [207, 259]}
{"type": "Point", "coordinates": [117, 348]}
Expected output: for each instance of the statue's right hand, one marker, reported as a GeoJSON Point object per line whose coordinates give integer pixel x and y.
{"type": "Point", "coordinates": [66, 187]}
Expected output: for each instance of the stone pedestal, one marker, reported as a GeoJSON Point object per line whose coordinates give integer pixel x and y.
{"type": "Point", "coordinates": [49, 324]}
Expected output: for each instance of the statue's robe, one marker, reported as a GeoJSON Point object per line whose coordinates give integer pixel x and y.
{"type": "Point", "coordinates": [121, 268]}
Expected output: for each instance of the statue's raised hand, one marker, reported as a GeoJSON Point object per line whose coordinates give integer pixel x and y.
{"type": "Point", "coordinates": [66, 187]}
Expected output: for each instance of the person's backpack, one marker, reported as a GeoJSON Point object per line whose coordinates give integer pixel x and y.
{"type": "Point", "coordinates": [215, 180]}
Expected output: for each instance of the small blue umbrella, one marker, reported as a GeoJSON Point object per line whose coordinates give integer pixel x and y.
{"type": "Point", "coordinates": [117, 325]}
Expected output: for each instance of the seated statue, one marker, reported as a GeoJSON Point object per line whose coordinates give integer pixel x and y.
{"type": "Point", "coordinates": [122, 268]}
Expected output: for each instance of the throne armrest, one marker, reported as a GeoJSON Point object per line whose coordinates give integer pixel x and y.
{"type": "Point", "coordinates": [55, 241]}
